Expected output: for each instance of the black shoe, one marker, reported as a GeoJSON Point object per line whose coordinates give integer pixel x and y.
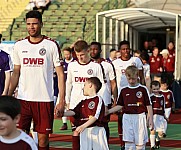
{"type": "Point", "coordinates": [164, 135]}
{"type": "Point", "coordinates": [157, 144]}
{"type": "Point", "coordinates": [122, 147]}
{"type": "Point", "coordinates": [64, 127]}
{"type": "Point", "coordinates": [153, 148]}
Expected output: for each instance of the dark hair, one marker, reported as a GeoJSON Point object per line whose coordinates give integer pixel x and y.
{"type": "Point", "coordinates": [144, 56]}
{"type": "Point", "coordinates": [165, 80]}
{"type": "Point", "coordinates": [112, 49]}
{"type": "Point", "coordinates": [10, 106]}
{"type": "Point", "coordinates": [155, 83]}
{"type": "Point", "coordinates": [34, 14]}
{"type": "Point", "coordinates": [97, 83]}
{"type": "Point", "coordinates": [124, 43]}
{"type": "Point", "coordinates": [67, 49]}
{"type": "Point", "coordinates": [80, 45]}
{"type": "Point", "coordinates": [98, 44]}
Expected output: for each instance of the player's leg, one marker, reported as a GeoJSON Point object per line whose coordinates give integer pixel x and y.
{"type": "Point", "coordinates": [86, 139]}
{"type": "Point", "coordinates": [64, 120]}
{"type": "Point", "coordinates": [167, 115]}
{"type": "Point", "coordinates": [140, 147]}
{"type": "Point", "coordinates": [26, 116]}
{"type": "Point", "coordinates": [152, 139]}
{"type": "Point", "coordinates": [43, 116]}
{"type": "Point", "coordinates": [33, 133]}
{"type": "Point", "coordinates": [99, 138]}
{"type": "Point", "coordinates": [120, 131]}
{"type": "Point", "coordinates": [130, 146]}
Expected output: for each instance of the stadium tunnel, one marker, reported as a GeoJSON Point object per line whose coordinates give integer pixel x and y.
{"type": "Point", "coordinates": [129, 23]}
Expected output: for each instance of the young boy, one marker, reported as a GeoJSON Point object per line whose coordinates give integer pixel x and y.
{"type": "Point", "coordinates": [134, 101]}
{"type": "Point", "coordinates": [10, 136]}
{"type": "Point", "coordinates": [158, 105]}
{"type": "Point", "coordinates": [89, 117]}
{"type": "Point", "coordinates": [169, 100]}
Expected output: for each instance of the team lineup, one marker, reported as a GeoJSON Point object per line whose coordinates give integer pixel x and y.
{"type": "Point", "coordinates": [83, 86]}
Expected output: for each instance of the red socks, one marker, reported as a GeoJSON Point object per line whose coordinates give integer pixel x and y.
{"type": "Point", "coordinates": [44, 148]}
{"type": "Point", "coordinates": [75, 142]}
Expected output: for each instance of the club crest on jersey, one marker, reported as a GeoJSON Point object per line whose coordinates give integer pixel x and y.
{"type": "Point", "coordinates": [90, 72]}
{"type": "Point", "coordinates": [139, 94]}
{"type": "Point", "coordinates": [42, 51]}
{"type": "Point", "coordinates": [91, 105]}
{"type": "Point", "coordinates": [168, 96]}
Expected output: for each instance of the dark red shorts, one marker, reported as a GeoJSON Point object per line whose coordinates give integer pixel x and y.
{"type": "Point", "coordinates": [42, 114]}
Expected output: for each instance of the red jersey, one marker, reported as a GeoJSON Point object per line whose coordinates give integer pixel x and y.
{"type": "Point", "coordinates": [22, 142]}
{"type": "Point", "coordinates": [134, 99]}
{"type": "Point", "coordinates": [155, 63]}
{"type": "Point", "coordinates": [91, 107]}
{"type": "Point", "coordinates": [158, 104]}
{"type": "Point", "coordinates": [169, 98]}
{"type": "Point", "coordinates": [168, 64]}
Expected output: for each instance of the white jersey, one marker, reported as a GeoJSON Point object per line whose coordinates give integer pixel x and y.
{"type": "Point", "coordinates": [76, 76]}
{"type": "Point", "coordinates": [110, 75]}
{"type": "Point", "coordinates": [120, 67]}
{"type": "Point", "coordinates": [23, 141]}
{"type": "Point", "coordinates": [146, 70]}
{"type": "Point", "coordinates": [37, 61]}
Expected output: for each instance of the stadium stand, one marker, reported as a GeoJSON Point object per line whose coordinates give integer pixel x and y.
{"type": "Point", "coordinates": [69, 19]}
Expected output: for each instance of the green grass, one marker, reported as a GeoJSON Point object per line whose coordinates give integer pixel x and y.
{"type": "Point", "coordinates": [173, 133]}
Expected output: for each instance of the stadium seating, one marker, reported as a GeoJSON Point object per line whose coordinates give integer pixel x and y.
{"type": "Point", "coordinates": [68, 19]}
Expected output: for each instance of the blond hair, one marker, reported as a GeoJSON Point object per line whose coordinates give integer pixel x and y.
{"type": "Point", "coordinates": [131, 71]}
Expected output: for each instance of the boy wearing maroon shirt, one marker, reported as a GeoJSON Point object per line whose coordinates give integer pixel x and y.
{"type": "Point", "coordinates": [89, 117]}
{"type": "Point", "coordinates": [134, 101]}
{"type": "Point", "coordinates": [158, 105]}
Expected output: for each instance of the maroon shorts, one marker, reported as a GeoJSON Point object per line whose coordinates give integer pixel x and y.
{"type": "Point", "coordinates": [42, 114]}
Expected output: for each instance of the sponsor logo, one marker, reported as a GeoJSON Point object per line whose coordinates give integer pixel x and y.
{"type": "Point", "coordinates": [139, 94]}
{"type": "Point", "coordinates": [91, 105]}
{"type": "Point", "coordinates": [158, 59]}
{"type": "Point", "coordinates": [42, 51]}
{"type": "Point", "coordinates": [47, 129]}
{"type": "Point", "coordinates": [33, 61]}
{"type": "Point", "coordinates": [80, 79]}
{"type": "Point", "coordinates": [127, 94]}
{"type": "Point", "coordinates": [24, 51]}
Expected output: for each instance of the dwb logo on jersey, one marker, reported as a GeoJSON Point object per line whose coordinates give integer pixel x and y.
{"type": "Point", "coordinates": [33, 62]}
{"type": "Point", "coordinates": [80, 79]}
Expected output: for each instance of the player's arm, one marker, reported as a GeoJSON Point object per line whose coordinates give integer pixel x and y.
{"type": "Point", "coordinates": [7, 82]}
{"type": "Point", "coordinates": [114, 109]}
{"type": "Point", "coordinates": [114, 91]}
{"type": "Point", "coordinates": [69, 113]}
{"type": "Point", "coordinates": [86, 124]}
{"type": "Point", "coordinates": [61, 87]}
{"type": "Point", "coordinates": [14, 79]}
{"type": "Point", "coordinates": [150, 117]}
{"type": "Point", "coordinates": [141, 75]}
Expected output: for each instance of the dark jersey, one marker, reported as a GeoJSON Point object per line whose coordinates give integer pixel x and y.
{"type": "Point", "coordinates": [134, 99]}
{"type": "Point", "coordinates": [91, 107]}
{"type": "Point", "coordinates": [22, 142]}
{"type": "Point", "coordinates": [155, 63]}
{"type": "Point", "coordinates": [4, 66]}
{"type": "Point", "coordinates": [158, 104]}
{"type": "Point", "coordinates": [169, 98]}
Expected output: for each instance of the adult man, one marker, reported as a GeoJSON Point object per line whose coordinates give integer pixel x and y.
{"type": "Point", "coordinates": [109, 79]}
{"type": "Point", "coordinates": [34, 60]}
{"type": "Point", "coordinates": [5, 72]}
{"type": "Point", "coordinates": [120, 65]}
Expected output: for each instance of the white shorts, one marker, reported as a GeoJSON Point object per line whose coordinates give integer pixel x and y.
{"type": "Point", "coordinates": [135, 128]}
{"type": "Point", "coordinates": [159, 122]}
{"type": "Point", "coordinates": [93, 138]}
{"type": "Point", "coordinates": [167, 112]}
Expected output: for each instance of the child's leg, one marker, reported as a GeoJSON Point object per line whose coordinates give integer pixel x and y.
{"type": "Point", "coordinates": [75, 141]}
{"type": "Point", "coordinates": [140, 147]}
{"type": "Point", "coordinates": [120, 129]}
{"type": "Point", "coordinates": [34, 134]}
{"type": "Point", "coordinates": [130, 146]}
{"type": "Point", "coordinates": [152, 138]}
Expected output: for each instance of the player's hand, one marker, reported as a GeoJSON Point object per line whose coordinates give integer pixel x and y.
{"type": "Point", "coordinates": [80, 129]}
{"type": "Point", "coordinates": [59, 109]}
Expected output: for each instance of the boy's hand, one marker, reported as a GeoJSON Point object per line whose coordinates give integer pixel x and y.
{"type": "Point", "coordinates": [80, 129]}
{"type": "Point", "coordinates": [150, 124]}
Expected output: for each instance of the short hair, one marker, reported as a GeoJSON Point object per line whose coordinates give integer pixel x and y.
{"type": "Point", "coordinates": [96, 82]}
{"type": "Point", "coordinates": [124, 43]}
{"type": "Point", "coordinates": [144, 56]}
{"type": "Point", "coordinates": [67, 49]}
{"type": "Point", "coordinates": [10, 106]}
{"type": "Point", "coordinates": [98, 44]}
{"type": "Point", "coordinates": [112, 50]}
{"type": "Point", "coordinates": [80, 45]}
{"type": "Point", "coordinates": [155, 83]}
{"type": "Point", "coordinates": [164, 80]}
{"type": "Point", "coordinates": [131, 71]}
{"type": "Point", "coordinates": [34, 14]}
